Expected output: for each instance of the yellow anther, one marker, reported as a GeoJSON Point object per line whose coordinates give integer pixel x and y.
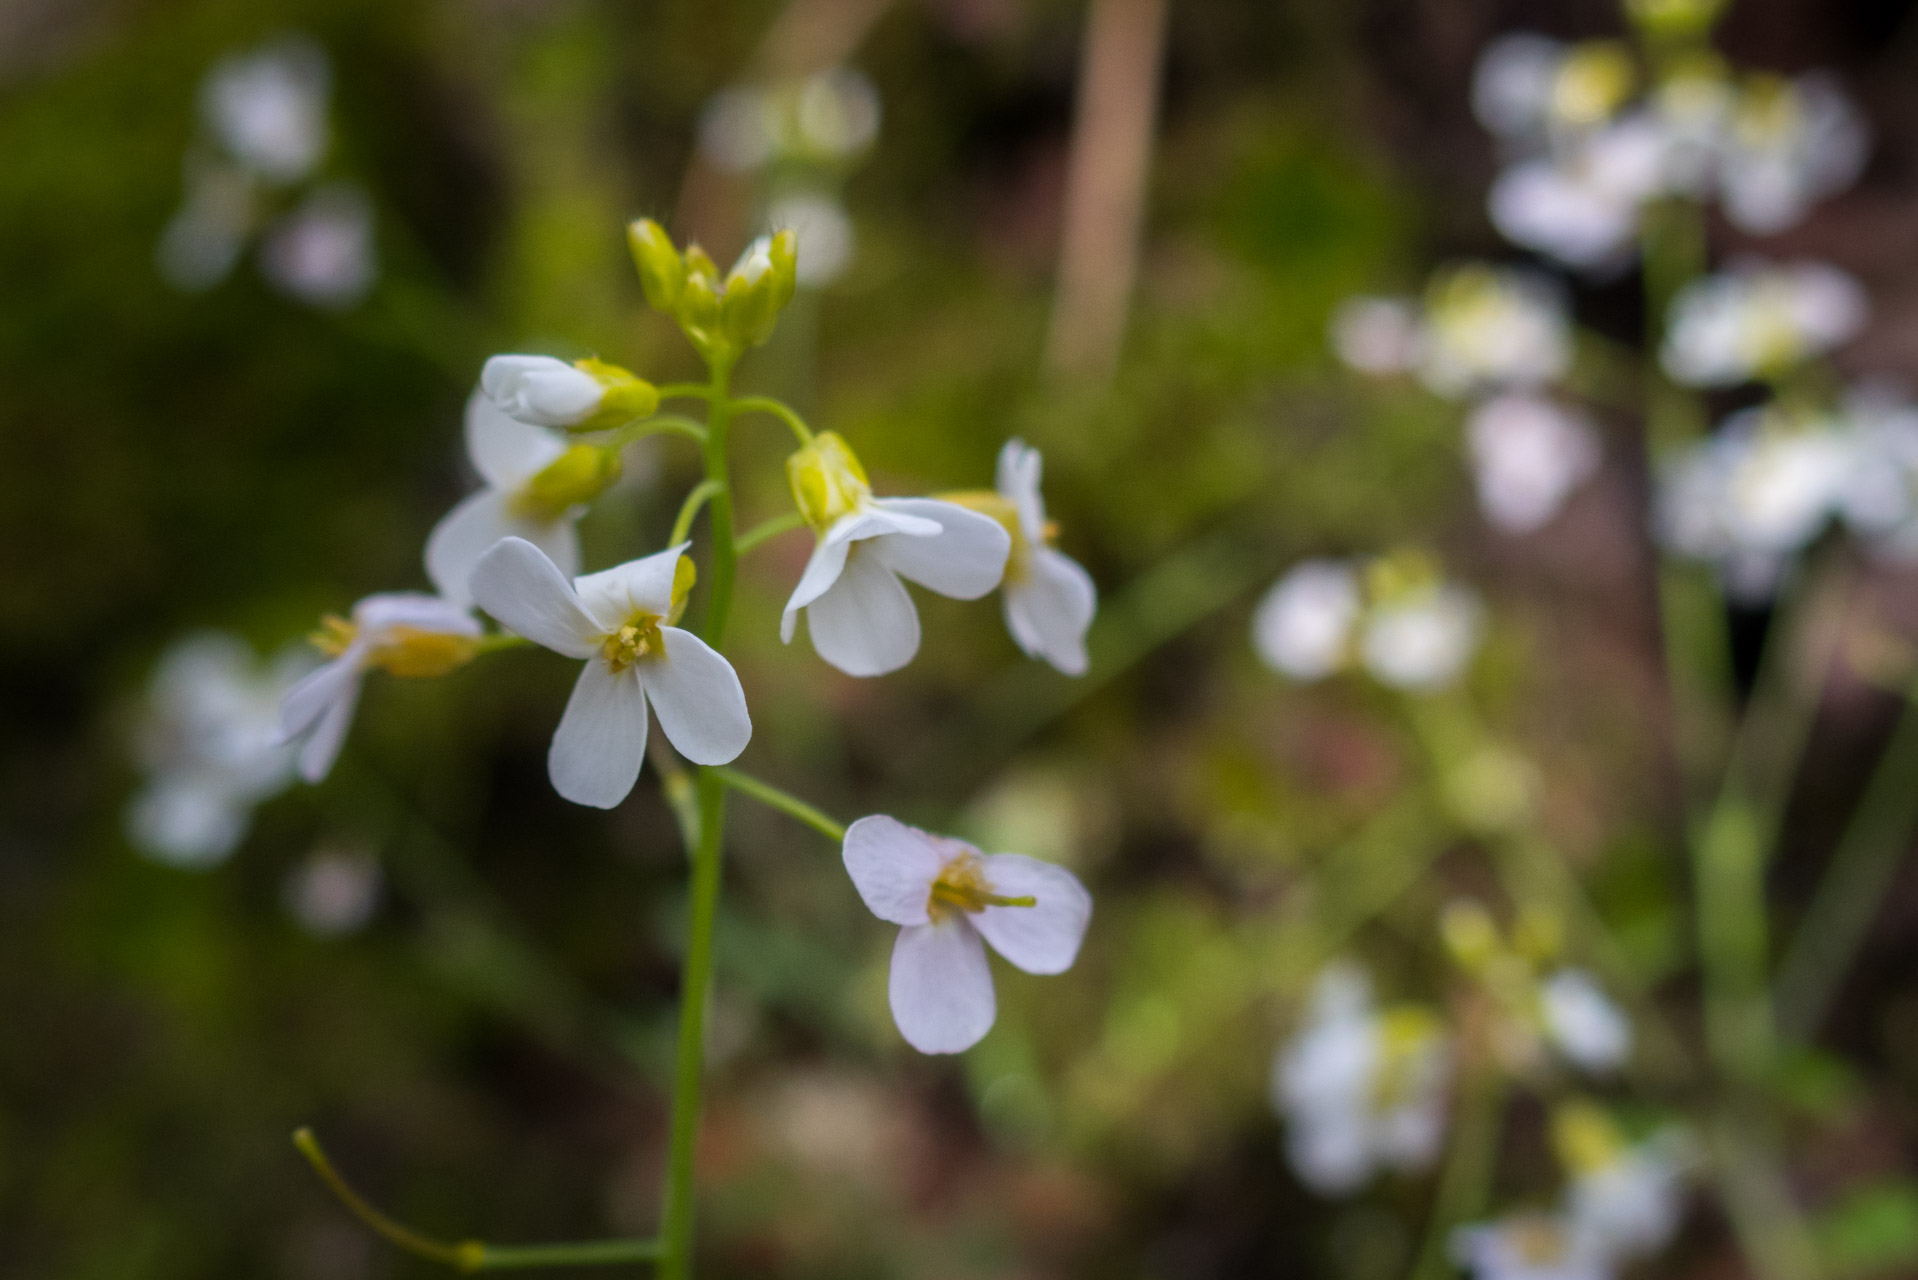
{"type": "Point", "coordinates": [633, 641]}
{"type": "Point", "coordinates": [412, 652]}
{"type": "Point", "coordinates": [962, 886]}
{"type": "Point", "coordinates": [334, 635]}
{"type": "Point", "coordinates": [827, 480]}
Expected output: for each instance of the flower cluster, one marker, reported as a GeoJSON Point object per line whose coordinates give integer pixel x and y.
{"type": "Point", "coordinates": [1396, 616]}
{"type": "Point", "coordinates": [254, 170]}
{"type": "Point", "coordinates": [1500, 336]}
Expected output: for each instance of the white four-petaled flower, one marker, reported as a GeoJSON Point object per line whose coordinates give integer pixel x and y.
{"type": "Point", "coordinates": [620, 622]}
{"type": "Point", "coordinates": [945, 895]}
{"type": "Point", "coordinates": [406, 633]}
{"type": "Point", "coordinates": [1049, 597]}
{"type": "Point", "coordinates": [1528, 454]}
{"type": "Point", "coordinates": [860, 617]}
{"type": "Point", "coordinates": [1758, 320]}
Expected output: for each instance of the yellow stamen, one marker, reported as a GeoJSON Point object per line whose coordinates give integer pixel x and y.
{"type": "Point", "coordinates": [334, 635]}
{"type": "Point", "coordinates": [962, 886]}
{"type": "Point", "coordinates": [418, 654]}
{"type": "Point", "coordinates": [638, 638]}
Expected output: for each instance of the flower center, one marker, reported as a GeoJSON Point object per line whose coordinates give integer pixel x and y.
{"type": "Point", "coordinates": [962, 886]}
{"type": "Point", "coordinates": [990, 502]}
{"type": "Point", "coordinates": [638, 638]}
{"type": "Point", "coordinates": [413, 652]}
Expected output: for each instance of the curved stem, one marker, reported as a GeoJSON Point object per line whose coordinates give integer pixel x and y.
{"type": "Point", "coordinates": [768, 530]}
{"type": "Point", "coordinates": [719, 600]}
{"type": "Point", "coordinates": [773, 798]}
{"type": "Point", "coordinates": [676, 424]}
{"type": "Point", "coordinates": [685, 391]}
{"type": "Point", "coordinates": [778, 409]}
{"type": "Point", "coordinates": [469, 1255]}
{"type": "Point", "coordinates": [683, 523]}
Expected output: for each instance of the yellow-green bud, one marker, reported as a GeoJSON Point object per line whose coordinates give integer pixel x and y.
{"type": "Point", "coordinates": [1674, 19]}
{"type": "Point", "coordinates": [579, 475]}
{"type": "Point", "coordinates": [827, 481]}
{"type": "Point", "coordinates": [626, 396]}
{"type": "Point", "coordinates": [758, 289]}
{"type": "Point", "coordinates": [1585, 1138]}
{"type": "Point", "coordinates": [1470, 934]}
{"type": "Point", "coordinates": [698, 311]}
{"type": "Point", "coordinates": [1596, 77]}
{"type": "Point", "coordinates": [662, 272]}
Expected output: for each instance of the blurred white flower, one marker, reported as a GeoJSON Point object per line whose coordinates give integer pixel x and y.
{"type": "Point", "coordinates": [1692, 106]}
{"type": "Point", "coordinates": [620, 622]}
{"type": "Point", "coordinates": [1488, 328]}
{"type": "Point", "coordinates": [858, 613]}
{"type": "Point", "coordinates": [1788, 144]}
{"type": "Point", "coordinates": [1361, 1089]}
{"type": "Point", "coordinates": [267, 108]}
{"type": "Point", "coordinates": [1757, 320]}
{"type": "Point", "coordinates": [824, 230]}
{"type": "Point", "coordinates": [1049, 598]}
{"type": "Point", "coordinates": [322, 252]}
{"type": "Point", "coordinates": [1529, 1246]}
{"type": "Point", "coordinates": [333, 892]}
{"type": "Point", "coordinates": [1528, 455]}
{"type": "Point", "coordinates": [508, 454]}
{"type": "Point", "coordinates": [1582, 1023]}
{"type": "Point", "coordinates": [1526, 86]}
{"type": "Point", "coordinates": [208, 742]}
{"type": "Point", "coordinates": [1378, 335]}
{"type": "Point", "coordinates": [205, 238]}
{"type": "Point", "coordinates": [1421, 640]}
{"type": "Point", "coordinates": [1629, 1201]}
{"type": "Point", "coordinates": [1303, 627]}
{"type": "Point", "coordinates": [946, 896]}
{"type": "Point", "coordinates": [826, 118]}
{"type": "Point", "coordinates": [1878, 498]}
{"type": "Point", "coordinates": [838, 112]}
{"type": "Point", "coordinates": [403, 632]}
{"type": "Point", "coordinates": [1580, 202]}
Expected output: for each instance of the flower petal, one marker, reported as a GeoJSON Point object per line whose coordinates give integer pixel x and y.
{"type": "Point", "coordinates": [186, 823]}
{"type": "Point", "coordinates": [1049, 610]}
{"type": "Point", "coordinates": [612, 596]}
{"type": "Point", "coordinates": [526, 592]}
{"type": "Point", "coordinates": [505, 451]}
{"type": "Point", "coordinates": [1043, 938]}
{"type": "Point", "coordinates": [865, 624]}
{"type": "Point", "coordinates": [892, 866]}
{"type": "Point", "coordinates": [323, 747]}
{"type": "Point", "coordinates": [414, 609]}
{"type": "Point", "coordinates": [822, 570]}
{"type": "Point", "coordinates": [1018, 479]}
{"type": "Point", "coordinates": [965, 561]}
{"type": "Point", "coordinates": [596, 751]}
{"type": "Point", "coordinates": [462, 536]}
{"type": "Point", "coordinates": [941, 987]}
{"type": "Point", "coordinates": [696, 695]}
{"type": "Point", "coordinates": [309, 699]}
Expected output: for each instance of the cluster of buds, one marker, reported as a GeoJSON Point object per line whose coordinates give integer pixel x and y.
{"type": "Point", "coordinates": [721, 316]}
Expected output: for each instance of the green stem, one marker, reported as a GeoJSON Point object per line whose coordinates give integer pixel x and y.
{"type": "Point", "coordinates": [676, 424]}
{"type": "Point", "coordinates": [778, 409]}
{"type": "Point", "coordinates": [501, 640]}
{"type": "Point", "coordinates": [683, 523]}
{"type": "Point", "coordinates": [1467, 1181]}
{"type": "Point", "coordinates": [767, 530]}
{"type": "Point", "coordinates": [676, 1219]}
{"type": "Point", "coordinates": [469, 1255]}
{"type": "Point", "coordinates": [1835, 926]}
{"type": "Point", "coordinates": [685, 391]}
{"type": "Point", "coordinates": [719, 600]}
{"type": "Point", "coordinates": [773, 798]}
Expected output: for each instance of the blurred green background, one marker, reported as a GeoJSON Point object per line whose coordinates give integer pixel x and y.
{"type": "Point", "coordinates": [487, 1056]}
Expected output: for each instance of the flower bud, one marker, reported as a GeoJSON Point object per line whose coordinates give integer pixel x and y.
{"type": "Point", "coordinates": [590, 395]}
{"type": "Point", "coordinates": [827, 481]}
{"type": "Point", "coordinates": [1674, 19]}
{"type": "Point", "coordinates": [662, 272]}
{"type": "Point", "coordinates": [1470, 934]}
{"type": "Point", "coordinates": [1596, 77]}
{"type": "Point", "coordinates": [579, 475]}
{"type": "Point", "coordinates": [1585, 1138]}
{"type": "Point", "coordinates": [759, 287]}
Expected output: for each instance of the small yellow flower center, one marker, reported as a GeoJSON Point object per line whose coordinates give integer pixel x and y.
{"type": "Point", "coordinates": [639, 636]}
{"type": "Point", "coordinates": [827, 481]}
{"type": "Point", "coordinates": [962, 886]}
{"type": "Point", "coordinates": [1594, 79]}
{"type": "Point", "coordinates": [579, 475]}
{"type": "Point", "coordinates": [413, 652]}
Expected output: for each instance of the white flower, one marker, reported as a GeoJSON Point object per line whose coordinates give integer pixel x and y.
{"type": "Point", "coordinates": [1629, 1203]}
{"type": "Point", "coordinates": [1049, 598]}
{"type": "Point", "coordinates": [1758, 320]}
{"type": "Point", "coordinates": [1512, 83]}
{"type": "Point", "coordinates": [1529, 1246]}
{"type": "Point", "coordinates": [1493, 327]}
{"type": "Point", "coordinates": [405, 633]}
{"type": "Point", "coordinates": [620, 622]}
{"type": "Point", "coordinates": [1378, 335]}
{"type": "Point", "coordinates": [1422, 640]}
{"type": "Point", "coordinates": [837, 113]}
{"type": "Point", "coordinates": [509, 456]}
{"type": "Point", "coordinates": [1878, 496]}
{"type": "Point", "coordinates": [541, 390]}
{"type": "Point", "coordinates": [827, 118]}
{"type": "Point", "coordinates": [1788, 145]}
{"type": "Point", "coordinates": [1692, 107]}
{"type": "Point", "coordinates": [1582, 1022]}
{"type": "Point", "coordinates": [1303, 626]}
{"type": "Point", "coordinates": [1361, 1090]}
{"type": "Point", "coordinates": [268, 107]}
{"type": "Point", "coordinates": [1528, 454]}
{"type": "Point", "coordinates": [322, 252]}
{"type": "Point", "coordinates": [945, 896]}
{"type": "Point", "coordinates": [824, 230]}
{"type": "Point", "coordinates": [208, 741]}
{"type": "Point", "coordinates": [857, 611]}
{"type": "Point", "coordinates": [1580, 204]}
{"type": "Point", "coordinates": [333, 892]}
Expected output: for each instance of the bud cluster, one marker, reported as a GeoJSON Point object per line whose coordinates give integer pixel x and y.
{"type": "Point", "coordinates": [721, 316]}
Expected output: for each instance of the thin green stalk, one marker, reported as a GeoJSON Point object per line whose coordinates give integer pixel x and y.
{"type": "Point", "coordinates": [778, 409]}
{"type": "Point", "coordinates": [1466, 1184]}
{"type": "Point", "coordinates": [1764, 1215]}
{"type": "Point", "coordinates": [676, 1218]}
{"type": "Point", "coordinates": [469, 1255]}
{"type": "Point", "coordinates": [725, 554]}
{"type": "Point", "coordinates": [1835, 926]}
{"type": "Point", "coordinates": [767, 530]}
{"type": "Point", "coordinates": [683, 522]}
{"type": "Point", "coordinates": [685, 391]}
{"type": "Point", "coordinates": [773, 798]}
{"type": "Point", "coordinates": [673, 423]}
